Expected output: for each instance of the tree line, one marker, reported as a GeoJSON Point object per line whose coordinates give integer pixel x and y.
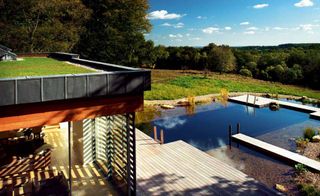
{"type": "Point", "coordinates": [104, 30]}
{"type": "Point", "coordinates": [289, 64]}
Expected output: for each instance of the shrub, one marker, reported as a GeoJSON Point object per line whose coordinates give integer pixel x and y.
{"type": "Point", "coordinates": [307, 189]}
{"type": "Point", "coordinates": [309, 133]}
{"type": "Point", "coordinates": [301, 142]}
{"type": "Point", "coordinates": [300, 168]}
{"type": "Point", "coordinates": [245, 72]}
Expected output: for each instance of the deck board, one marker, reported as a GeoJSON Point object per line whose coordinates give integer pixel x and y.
{"type": "Point", "coordinates": [283, 153]}
{"type": "Point", "coordinates": [261, 102]}
{"type": "Point", "coordinates": [178, 168]}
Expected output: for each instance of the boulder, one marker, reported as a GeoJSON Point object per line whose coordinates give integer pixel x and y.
{"type": "Point", "coordinates": [166, 106]}
{"type": "Point", "coordinates": [281, 188]}
{"type": "Point", "coordinates": [316, 138]}
{"type": "Point", "coordinates": [274, 106]}
{"type": "Point", "coordinates": [183, 103]}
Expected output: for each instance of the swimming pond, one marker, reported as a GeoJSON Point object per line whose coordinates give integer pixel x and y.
{"type": "Point", "coordinates": [207, 126]}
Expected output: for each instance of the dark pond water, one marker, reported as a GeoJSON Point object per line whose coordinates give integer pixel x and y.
{"type": "Point", "coordinates": [207, 127]}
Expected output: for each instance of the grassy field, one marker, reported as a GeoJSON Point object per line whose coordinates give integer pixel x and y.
{"type": "Point", "coordinates": [168, 84]}
{"type": "Point", "coordinates": [38, 66]}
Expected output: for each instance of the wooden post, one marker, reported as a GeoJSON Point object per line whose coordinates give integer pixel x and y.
{"type": "Point", "coordinates": [230, 136]}
{"type": "Point", "coordinates": [155, 134]}
{"type": "Point", "coordinates": [247, 98]}
{"type": "Point", "coordinates": [254, 101]}
{"type": "Point", "coordinates": [238, 131]}
{"type": "Point", "coordinates": [69, 151]}
{"type": "Point", "coordinates": [161, 137]}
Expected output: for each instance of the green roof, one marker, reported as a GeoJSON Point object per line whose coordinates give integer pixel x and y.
{"type": "Point", "coordinates": [39, 66]}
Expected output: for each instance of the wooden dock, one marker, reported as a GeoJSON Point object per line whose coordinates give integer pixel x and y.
{"type": "Point", "coordinates": [178, 168]}
{"type": "Point", "coordinates": [276, 151]}
{"type": "Point", "coordinates": [261, 102]}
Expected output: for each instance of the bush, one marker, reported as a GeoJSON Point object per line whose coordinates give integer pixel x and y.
{"type": "Point", "coordinates": [307, 189]}
{"type": "Point", "coordinates": [309, 133]}
{"type": "Point", "coordinates": [245, 72]}
{"type": "Point", "coordinates": [300, 168]}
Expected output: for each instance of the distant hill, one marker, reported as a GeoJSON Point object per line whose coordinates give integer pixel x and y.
{"type": "Point", "coordinates": [282, 46]}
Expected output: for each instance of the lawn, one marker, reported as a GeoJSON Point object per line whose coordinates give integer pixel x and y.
{"type": "Point", "coordinates": [168, 84]}
{"type": "Point", "coordinates": [38, 66]}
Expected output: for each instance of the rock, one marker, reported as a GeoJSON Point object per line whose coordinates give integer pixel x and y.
{"type": "Point", "coordinates": [268, 95]}
{"type": "Point", "coordinates": [274, 106]}
{"type": "Point", "coordinates": [281, 188]}
{"type": "Point", "coordinates": [303, 98]}
{"type": "Point", "coordinates": [183, 103]}
{"type": "Point", "coordinates": [165, 106]}
{"type": "Point", "coordinates": [316, 138]}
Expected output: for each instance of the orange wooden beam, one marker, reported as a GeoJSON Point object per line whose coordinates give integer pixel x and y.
{"type": "Point", "coordinates": [49, 113]}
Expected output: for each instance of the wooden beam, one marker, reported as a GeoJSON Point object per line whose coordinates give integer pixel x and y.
{"type": "Point", "coordinates": [49, 113]}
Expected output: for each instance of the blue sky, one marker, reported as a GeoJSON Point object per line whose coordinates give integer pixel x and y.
{"type": "Point", "coordinates": [234, 22]}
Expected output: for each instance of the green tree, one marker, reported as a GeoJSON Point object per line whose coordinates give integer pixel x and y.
{"type": "Point", "coordinates": [221, 59]}
{"type": "Point", "coordinates": [115, 31]}
{"type": "Point", "coordinates": [41, 26]}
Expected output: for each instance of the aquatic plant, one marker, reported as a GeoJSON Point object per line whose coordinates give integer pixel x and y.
{"type": "Point", "coordinates": [301, 142]}
{"type": "Point", "coordinates": [300, 168]}
{"type": "Point", "coordinates": [309, 133]}
{"type": "Point", "coordinates": [307, 189]}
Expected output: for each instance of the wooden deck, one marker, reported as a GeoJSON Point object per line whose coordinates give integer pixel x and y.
{"type": "Point", "coordinates": [178, 168]}
{"type": "Point", "coordinates": [279, 152]}
{"type": "Point", "coordinates": [261, 102]}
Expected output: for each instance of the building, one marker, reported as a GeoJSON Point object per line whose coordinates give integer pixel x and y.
{"type": "Point", "coordinates": [6, 54]}
{"type": "Point", "coordinates": [99, 109]}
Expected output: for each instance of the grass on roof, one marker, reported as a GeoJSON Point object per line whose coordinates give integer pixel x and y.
{"type": "Point", "coordinates": [38, 66]}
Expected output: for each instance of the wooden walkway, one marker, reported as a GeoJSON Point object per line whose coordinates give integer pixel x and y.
{"type": "Point", "coordinates": [279, 152]}
{"type": "Point", "coordinates": [261, 102]}
{"type": "Point", "coordinates": [178, 168]}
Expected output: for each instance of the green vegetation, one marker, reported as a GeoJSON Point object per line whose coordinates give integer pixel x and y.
{"type": "Point", "coordinates": [300, 168]}
{"type": "Point", "coordinates": [168, 84]}
{"type": "Point", "coordinates": [309, 133]}
{"type": "Point", "coordinates": [308, 190]}
{"type": "Point", "coordinates": [38, 67]}
{"type": "Point", "coordinates": [288, 64]}
{"type": "Point", "coordinates": [41, 26]}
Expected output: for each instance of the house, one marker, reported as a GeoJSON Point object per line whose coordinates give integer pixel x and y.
{"type": "Point", "coordinates": [6, 54]}
{"type": "Point", "coordinates": [99, 109]}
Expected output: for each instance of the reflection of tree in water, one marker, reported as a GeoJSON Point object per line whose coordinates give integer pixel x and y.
{"type": "Point", "coordinates": [144, 118]}
{"type": "Point", "coordinates": [223, 97]}
{"type": "Point", "coordinates": [191, 107]}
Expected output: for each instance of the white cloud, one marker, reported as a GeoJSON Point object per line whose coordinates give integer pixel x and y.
{"type": "Point", "coordinates": [245, 23]}
{"type": "Point", "coordinates": [163, 14]}
{"type": "Point", "coordinates": [201, 17]}
{"type": "Point", "coordinates": [188, 34]}
{"type": "Point", "coordinates": [304, 3]}
{"type": "Point", "coordinates": [227, 28]}
{"type": "Point", "coordinates": [279, 28]}
{"type": "Point", "coordinates": [175, 35]}
{"type": "Point", "coordinates": [177, 26]}
{"type": "Point", "coordinates": [260, 6]}
{"type": "Point", "coordinates": [210, 30]}
{"type": "Point", "coordinates": [166, 24]}
{"type": "Point", "coordinates": [252, 28]}
{"type": "Point", "coordinates": [309, 28]}
{"type": "Point", "coordinates": [249, 32]}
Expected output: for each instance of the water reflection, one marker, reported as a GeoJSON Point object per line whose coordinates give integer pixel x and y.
{"type": "Point", "coordinates": [169, 123]}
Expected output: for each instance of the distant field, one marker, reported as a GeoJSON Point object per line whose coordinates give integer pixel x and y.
{"type": "Point", "coordinates": [168, 84]}
{"type": "Point", "coordinates": [38, 66]}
